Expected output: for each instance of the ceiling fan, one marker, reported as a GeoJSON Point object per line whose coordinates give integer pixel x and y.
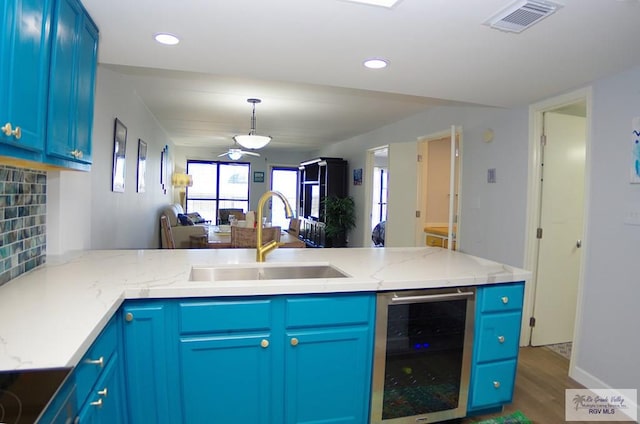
{"type": "Point", "coordinates": [235, 153]}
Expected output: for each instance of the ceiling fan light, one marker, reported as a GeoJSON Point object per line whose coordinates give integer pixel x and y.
{"type": "Point", "coordinates": [252, 141]}
{"type": "Point", "coordinates": [234, 154]}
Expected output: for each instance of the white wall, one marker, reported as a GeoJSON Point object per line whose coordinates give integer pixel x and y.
{"type": "Point", "coordinates": [493, 216]}
{"type": "Point", "coordinates": [82, 211]}
{"type": "Point", "coordinates": [609, 346]}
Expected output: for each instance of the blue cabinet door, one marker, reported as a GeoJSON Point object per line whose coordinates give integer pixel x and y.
{"type": "Point", "coordinates": [146, 354]}
{"type": "Point", "coordinates": [105, 404]}
{"type": "Point", "coordinates": [72, 80]}
{"type": "Point", "coordinates": [328, 375]}
{"type": "Point", "coordinates": [24, 75]}
{"type": "Point", "coordinates": [227, 379]}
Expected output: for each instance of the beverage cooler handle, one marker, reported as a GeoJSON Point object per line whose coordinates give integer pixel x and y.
{"type": "Point", "coordinates": [431, 297]}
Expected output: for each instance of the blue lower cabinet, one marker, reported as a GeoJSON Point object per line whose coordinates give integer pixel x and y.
{"type": "Point", "coordinates": [227, 379]}
{"type": "Point", "coordinates": [328, 375]}
{"type": "Point", "coordinates": [105, 404]}
{"type": "Point", "coordinates": [496, 344]}
{"type": "Point", "coordinates": [151, 393]}
{"type": "Point", "coordinates": [271, 359]}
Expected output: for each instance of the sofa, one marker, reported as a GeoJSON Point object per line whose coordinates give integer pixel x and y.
{"type": "Point", "coordinates": [179, 230]}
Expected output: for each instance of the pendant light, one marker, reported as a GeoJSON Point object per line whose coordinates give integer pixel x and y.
{"type": "Point", "coordinates": [252, 140]}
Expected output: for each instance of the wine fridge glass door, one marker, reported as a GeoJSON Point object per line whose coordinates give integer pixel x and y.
{"type": "Point", "coordinates": [422, 355]}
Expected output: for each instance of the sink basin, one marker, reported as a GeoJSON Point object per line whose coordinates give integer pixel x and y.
{"type": "Point", "coordinates": [252, 272]}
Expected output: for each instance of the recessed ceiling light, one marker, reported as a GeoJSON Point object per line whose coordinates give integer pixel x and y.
{"type": "Point", "coordinates": [166, 38]}
{"type": "Point", "coordinates": [376, 63]}
{"type": "Point", "coordinates": [384, 3]}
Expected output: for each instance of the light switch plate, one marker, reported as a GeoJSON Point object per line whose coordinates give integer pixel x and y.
{"type": "Point", "coordinates": [491, 175]}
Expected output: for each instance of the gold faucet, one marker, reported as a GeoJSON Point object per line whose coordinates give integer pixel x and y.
{"type": "Point", "coordinates": [263, 250]}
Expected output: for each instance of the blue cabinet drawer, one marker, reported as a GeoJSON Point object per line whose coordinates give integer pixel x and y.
{"type": "Point", "coordinates": [225, 315]}
{"type": "Point", "coordinates": [95, 360]}
{"type": "Point", "coordinates": [498, 336]}
{"type": "Point", "coordinates": [501, 297]}
{"type": "Point", "coordinates": [308, 311]}
{"type": "Point", "coordinates": [492, 384]}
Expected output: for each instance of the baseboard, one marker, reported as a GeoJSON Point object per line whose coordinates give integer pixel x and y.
{"type": "Point", "coordinates": [591, 382]}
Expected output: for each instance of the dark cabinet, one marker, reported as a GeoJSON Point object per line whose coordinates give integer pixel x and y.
{"type": "Point", "coordinates": [319, 178]}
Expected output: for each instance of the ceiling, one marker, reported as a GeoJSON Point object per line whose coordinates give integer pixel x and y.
{"type": "Point", "coordinates": [304, 60]}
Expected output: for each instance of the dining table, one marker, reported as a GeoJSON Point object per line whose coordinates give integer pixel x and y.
{"type": "Point", "coordinates": [221, 239]}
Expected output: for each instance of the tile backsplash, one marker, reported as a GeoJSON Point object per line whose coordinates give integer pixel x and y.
{"type": "Point", "coordinates": [23, 213]}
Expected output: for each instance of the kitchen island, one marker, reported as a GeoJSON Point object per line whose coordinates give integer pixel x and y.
{"type": "Point", "coordinates": [50, 317]}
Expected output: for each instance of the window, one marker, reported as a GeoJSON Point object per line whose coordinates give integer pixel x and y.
{"type": "Point", "coordinates": [217, 185]}
{"type": "Point", "coordinates": [284, 180]}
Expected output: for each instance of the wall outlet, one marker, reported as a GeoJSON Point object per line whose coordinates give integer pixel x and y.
{"type": "Point", "coordinates": [491, 175]}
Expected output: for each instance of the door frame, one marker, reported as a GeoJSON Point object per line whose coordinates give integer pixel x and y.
{"type": "Point", "coordinates": [536, 120]}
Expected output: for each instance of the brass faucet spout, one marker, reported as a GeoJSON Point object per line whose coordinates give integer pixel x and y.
{"type": "Point", "coordinates": [263, 250]}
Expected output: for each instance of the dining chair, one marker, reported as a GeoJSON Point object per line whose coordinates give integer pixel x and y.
{"type": "Point", "coordinates": [244, 237]}
{"type": "Point", "coordinates": [223, 215]}
{"type": "Point", "coordinates": [165, 231]}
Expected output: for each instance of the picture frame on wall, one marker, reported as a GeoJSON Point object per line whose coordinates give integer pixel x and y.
{"type": "Point", "coordinates": [142, 165]}
{"type": "Point", "coordinates": [164, 166]}
{"type": "Point", "coordinates": [119, 156]}
{"type": "Point", "coordinates": [357, 176]}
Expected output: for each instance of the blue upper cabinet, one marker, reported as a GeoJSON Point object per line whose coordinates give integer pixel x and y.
{"type": "Point", "coordinates": [72, 82]}
{"type": "Point", "coordinates": [24, 76]}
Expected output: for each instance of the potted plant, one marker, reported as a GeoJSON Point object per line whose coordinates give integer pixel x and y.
{"type": "Point", "coordinates": [339, 218]}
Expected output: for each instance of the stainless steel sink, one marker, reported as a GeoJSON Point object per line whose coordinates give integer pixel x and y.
{"type": "Point", "coordinates": [288, 272]}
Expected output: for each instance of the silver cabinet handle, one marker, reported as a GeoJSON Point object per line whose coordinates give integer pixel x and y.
{"type": "Point", "coordinates": [579, 244]}
{"type": "Point", "coordinates": [99, 362]}
{"type": "Point", "coordinates": [500, 339]}
{"type": "Point", "coordinates": [505, 300]}
{"type": "Point", "coordinates": [496, 384]}
{"type": "Point", "coordinates": [431, 297]}
{"type": "Point", "coordinates": [97, 404]}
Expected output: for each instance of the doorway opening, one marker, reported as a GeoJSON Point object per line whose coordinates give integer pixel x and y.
{"type": "Point", "coordinates": [379, 195]}
{"type": "Point", "coordinates": [438, 190]}
{"type": "Point", "coordinates": [557, 197]}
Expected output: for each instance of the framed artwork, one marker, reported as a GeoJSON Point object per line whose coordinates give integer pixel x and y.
{"type": "Point", "coordinates": [142, 164]}
{"type": "Point", "coordinates": [119, 153]}
{"type": "Point", "coordinates": [258, 177]}
{"type": "Point", "coordinates": [164, 166]}
{"type": "Point", "coordinates": [357, 176]}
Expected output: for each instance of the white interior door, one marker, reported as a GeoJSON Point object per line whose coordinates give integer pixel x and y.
{"type": "Point", "coordinates": [561, 220]}
{"type": "Point", "coordinates": [402, 202]}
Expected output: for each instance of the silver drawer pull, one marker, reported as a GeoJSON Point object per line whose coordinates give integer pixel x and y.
{"type": "Point", "coordinates": [496, 384]}
{"type": "Point", "coordinates": [99, 362]}
{"type": "Point", "coordinates": [505, 299]}
{"type": "Point", "coordinates": [500, 339]}
{"type": "Point", "coordinates": [103, 392]}
{"type": "Point", "coordinates": [97, 404]}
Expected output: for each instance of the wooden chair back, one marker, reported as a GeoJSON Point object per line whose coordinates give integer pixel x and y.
{"type": "Point", "coordinates": [165, 231]}
{"type": "Point", "coordinates": [223, 215]}
{"type": "Point", "coordinates": [245, 237]}
{"type": "Point", "coordinates": [294, 227]}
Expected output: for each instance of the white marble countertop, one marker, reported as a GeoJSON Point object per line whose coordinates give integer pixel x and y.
{"type": "Point", "coordinates": [50, 316]}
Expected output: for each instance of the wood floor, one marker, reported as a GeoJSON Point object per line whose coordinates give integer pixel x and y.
{"type": "Point", "coordinates": [541, 381]}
